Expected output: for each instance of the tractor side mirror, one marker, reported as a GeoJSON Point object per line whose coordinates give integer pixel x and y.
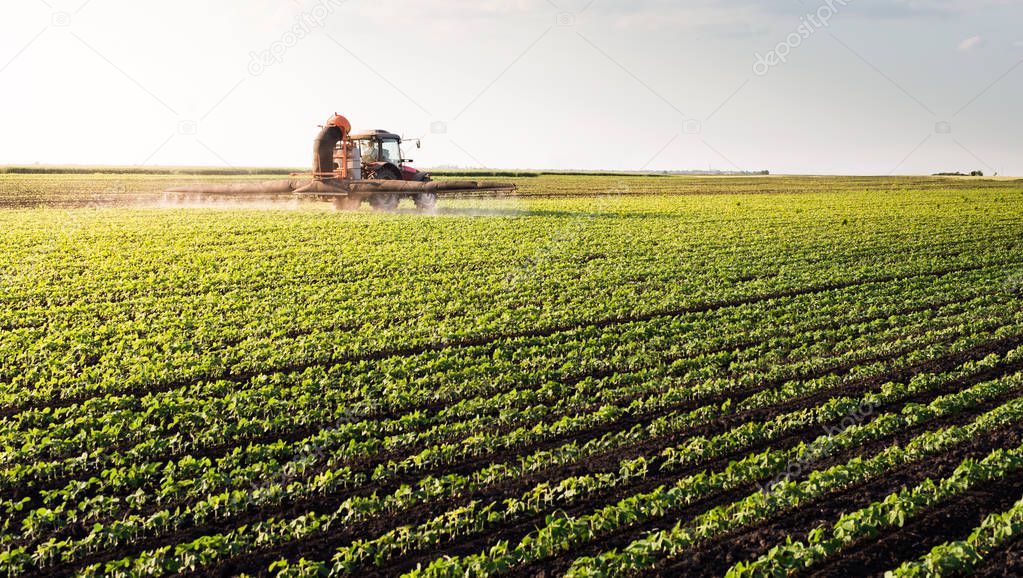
{"type": "Point", "coordinates": [419, 144]}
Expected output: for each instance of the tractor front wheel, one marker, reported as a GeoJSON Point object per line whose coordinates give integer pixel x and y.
{"type": "Point", "coordinates": [426, 201]}
{"type": "Point", "coordinates": [384, 201]}
{"type": "Point", "coordinates": [384, 173]}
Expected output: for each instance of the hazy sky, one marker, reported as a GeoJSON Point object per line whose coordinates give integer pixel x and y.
{"type": "Point", "coordinates": [793, 86]}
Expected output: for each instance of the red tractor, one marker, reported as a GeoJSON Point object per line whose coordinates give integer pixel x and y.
{"type": "Point", "coordinates": [383, 157]}
{"type": "Point", "coordinates": [377, 155]}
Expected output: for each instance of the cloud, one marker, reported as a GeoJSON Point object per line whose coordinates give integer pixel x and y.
{"type": "Point", "coordinates": [737, 17]}
{"type": "Point", "coordinates": [971, 43]}
{"type": "Point", "coordinates": [1018, 44]}
{"type": "Point", "coordinates": [458, 9]}
{"type": "Point", "coordinates": [896, 9]}
{"type": "Point", "coordinates": [757, 15]}
{"type": "Point", "coordinates": [937, 7]}
{"type": "Point", "coordinates": [712, 15]}
{"type": "Point", "coordinates": [953, 6]}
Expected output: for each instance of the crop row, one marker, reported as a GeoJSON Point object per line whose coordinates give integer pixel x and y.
{"type": "Point", "coordinates": [88, 352]}
{"type": "Point", "coordinates": [595, 386]}
{"type": "Point", "coordinates": [123, 531]}
{"type": "Point", "coordinates": [847, 347]}
{"type": "Point", "coordinates": [461, 408]}
{"type": "Point", "coordinates": [962, 556]}
{"type": "Point", "coordinates": [592, 394]}
{"type": "Point", "coordinates": [667, 544]}
{"type": "Point", "coordinates": [561, 531]}
{"type": "Point", "coordinates": [183, 364]}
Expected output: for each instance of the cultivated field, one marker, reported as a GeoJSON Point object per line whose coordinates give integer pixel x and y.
{"type": "Point", "coordinates": [753, 376]}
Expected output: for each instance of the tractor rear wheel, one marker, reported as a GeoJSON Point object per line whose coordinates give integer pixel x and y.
{"type": "Point", "coordinates": [384, 173]}
{"type": "Point", "coordinates": [384, 201]}
{"type": "Point", "coordinates": [426, 201]}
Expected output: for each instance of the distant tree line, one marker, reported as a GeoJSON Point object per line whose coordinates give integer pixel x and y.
{"type": "Point", "coordinates": [958, 174]}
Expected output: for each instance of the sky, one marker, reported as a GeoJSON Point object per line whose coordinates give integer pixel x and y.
{"type": "Point", "coordinates": [791, 86]}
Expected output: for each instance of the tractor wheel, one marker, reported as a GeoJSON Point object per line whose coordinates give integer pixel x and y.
{"type": "Point", "coordinates": [384, 201]}
{"type": "Point", "coordinates": [384, 173]}
{"type": "Point", "coordinates": [426, 201]}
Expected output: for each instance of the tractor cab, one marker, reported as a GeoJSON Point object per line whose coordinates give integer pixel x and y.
{"type": "Point", "coordinates": [382, 158]}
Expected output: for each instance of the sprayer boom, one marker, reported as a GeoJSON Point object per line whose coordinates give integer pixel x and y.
{"type": "Point", "coordinates": [341, 160]}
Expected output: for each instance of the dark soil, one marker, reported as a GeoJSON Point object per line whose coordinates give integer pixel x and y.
{"type": "Point", "coordinates": [947, 522]}
{"type": "Point", "coordinates": [715, 557]}
{"type": "Point", "coordinates": [1006, 562]}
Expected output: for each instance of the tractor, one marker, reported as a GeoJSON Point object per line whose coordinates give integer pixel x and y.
{"type": "Point", "coordinates": [348, 169]}
{"type": "Point", "coordinates": [383, 157]}
{"type": "Point", "coordinates": [379, 155]}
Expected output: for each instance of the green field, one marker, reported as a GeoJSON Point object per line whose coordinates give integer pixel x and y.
{"type": "Point", "coordinates": [600, 375]}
